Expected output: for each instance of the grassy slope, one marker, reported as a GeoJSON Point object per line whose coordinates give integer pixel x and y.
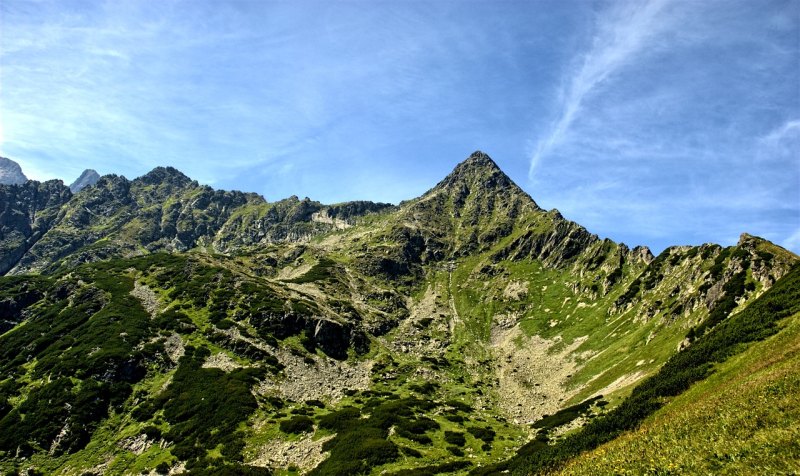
{"type": "Point", "coordinates": [617, 345]}
{"type": "Point", "coordinates": [742, 419]}
{"type": "Point", "coordinates": [760, 320]}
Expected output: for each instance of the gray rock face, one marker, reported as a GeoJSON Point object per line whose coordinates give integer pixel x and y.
{"type": "Point", "coordinates": [11, 173]}
{"type": "Point", "coordinates": [88, 177]}
{"type": "Point", "coordinates": [553, 246]}
{"type": "Point", "coordinates": [27, 212]}
{"type": "Point", "coordinates": [347, 211]}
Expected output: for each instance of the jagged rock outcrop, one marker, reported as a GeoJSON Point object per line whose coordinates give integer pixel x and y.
{"type": "Point", "coordinates": [344, 215]}
{"type": "Point", "coordinates": [769, 263]}
{"type": "Point", "coordinates": [88, 178]}
{"type": "Point", "coordinates": [484, 205]}
{"type": "Point", "coordinates": [467, 212]}
{"type": "Point", "coordinates": [333, 336]}
{"type": "Point", "coordinates": [14, 301]}
{"type": "Point", "coordinates": [553, 246]}
{"type": "Point", "coordinates": [684, 278]}
{"type": "Point", "coordinates": [11, 173]}
{"type": "Point", "coordinates": [162, 210]}
{"type": "Point", "coordinates": [27, 212]}
{"type": "Point", "coordinates": [349, 211]}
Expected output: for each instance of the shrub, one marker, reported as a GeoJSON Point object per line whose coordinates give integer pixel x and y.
{"type": "Point", "coordinates": [297, 424]}
{"type": "Point", "coordinates": [455, 438]}
{"type": "Point", "coordinates": [320, 271]}
{"type": "Point", "coordinates": [566, 415]}
{"type": "Point", "coordinates": [427, 388]}
{"type": "Point", "coordinates": [361, 444]}
{"type": "Point", "coordinates": [224, 324]}
{"type": "Point", "coordinates": [152, 432]}
{"type": "Point", "coordinates": [355, 451]}
{"type": "Point", "coordinates": [446, 468]}
{"type": "Point", "coordinates": [455, 450]}
{"type": "Point", "coordinates": [485, 434]}
{"type": "Point", "coordinates": [163, 468]}
{"type": "Point", "coordinates": [410, 452]}
{"type": "Point", "coordinates": [459, 406]}
{"type": "Point", "coordinates": [204, 406]}
{"type": "Point", "coordinates": [340, 420]}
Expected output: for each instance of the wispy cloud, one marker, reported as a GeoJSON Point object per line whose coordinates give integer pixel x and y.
{"type": "Point", "coordinates": [782, 141]}
{"type": "Point", "coordinates": [222, 88]}
{"type": "Point", "coordinates": [621, 33]}
{"type": "Point", "coordinates": [680, 120]}
{"type": "Point", "coordinates": [793, 241]}
{"type": "Point", "coordinates": [660, 121]}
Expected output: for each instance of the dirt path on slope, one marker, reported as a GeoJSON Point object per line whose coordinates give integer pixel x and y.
{"type": "Point", "coordinates": [455, 319]}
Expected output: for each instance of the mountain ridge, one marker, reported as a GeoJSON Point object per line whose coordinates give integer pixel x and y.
{"type": "Point", "coordinates": [478, 173]}
{"type": "Point", "coordinates": [465, 320]}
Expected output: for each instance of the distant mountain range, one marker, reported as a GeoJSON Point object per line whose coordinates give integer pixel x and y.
{"type": "Point", "coordinates": [11, 174]}
{"type": "Point", "coordinates": [157, 325]}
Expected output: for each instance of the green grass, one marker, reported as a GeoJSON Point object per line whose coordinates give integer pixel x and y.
{"type": "Point", "coordinates": [322, 270]}
{"type": "Point", "coordinates": [743, 418]}
{"type": "Point", "coordinates": [757, 322]}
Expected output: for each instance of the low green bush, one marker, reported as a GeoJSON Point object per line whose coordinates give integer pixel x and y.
{"type": "Point", "coordinates": [455, 438]}
{"type": "Point", "coordinates": [361, 443]}
{"type": "Point", "coordinates": [297, 424]}
{"type": "Point", "coordinates": [566, 415]}
{"type": "Point", "coordinates": [482, 433]}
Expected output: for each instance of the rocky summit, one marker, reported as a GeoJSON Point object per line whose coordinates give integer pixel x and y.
{"type": "Point", "coordinates": [11, 172]}
{"type": "Point", "coordinates": [87, 178]}
{"type": "Point", "coordinates": [159, 326]}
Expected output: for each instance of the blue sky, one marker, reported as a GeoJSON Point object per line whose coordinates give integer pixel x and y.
{"type": "Point", "coordinates": [650, 122]}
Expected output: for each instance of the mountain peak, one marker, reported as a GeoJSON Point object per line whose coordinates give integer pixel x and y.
{"type": "Point", "coordinates": [165, 175]}
{"type": "Point", "coordinates": [478, 162]}
{"type": "Point", "coordinates": [88, 177]}
{"type": "Point", "coordinates": [480, 159]}
{"type": "Point", "coordinates": [478, 174]}
{"type": "Point", "coordinates": [11, 172]}
{"type": "Point", "coordinates": [477, 169]}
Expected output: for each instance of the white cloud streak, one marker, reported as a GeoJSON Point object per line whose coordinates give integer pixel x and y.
{"type": "Point", "coordinates": [793, 242]}
{"type": "Point", "coordinates": [680, 119]}
{"type": "Point", "coordinates": [782, 139]}
{"type": "Point", "coordinates": [621, 34]}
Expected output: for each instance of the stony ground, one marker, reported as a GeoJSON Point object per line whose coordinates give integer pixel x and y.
{"type": "Point", "coordinates": [146, 295]}
{"type": "Point", "coordinates": [532, 377]}
{"type": "Point", "coordinates": [326, 379]}
{"type": "Point", "coordinates": [304, 454]}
